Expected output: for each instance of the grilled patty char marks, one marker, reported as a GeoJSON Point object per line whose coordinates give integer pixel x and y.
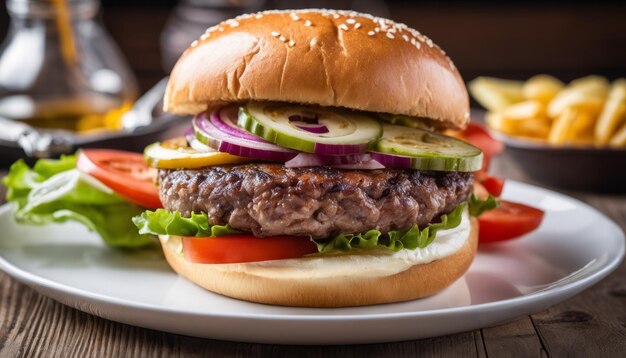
{"type": "Point", "coordinates": [270, 199]}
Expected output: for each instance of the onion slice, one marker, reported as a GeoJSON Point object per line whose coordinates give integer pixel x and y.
{"type": "Point", "coordinates": [236, 141]}
{"type": "Point", "coordinates": [395, 161]}
{"type": "Point", "coordinates": [313, 128]}
{"type": "Point", "coordinates": [356, 161]}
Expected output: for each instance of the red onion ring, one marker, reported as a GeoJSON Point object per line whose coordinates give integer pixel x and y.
{"type": "Point", "coordinates": [313, 128]}
{"type": "Point", "coordinates": [225, 120]}
{"type": "Point", "coordinates": [227, 141]}
{"type": "Point", "coordinates": [391, 160]}
{"type": "Point", "coordinates": [354, 161]}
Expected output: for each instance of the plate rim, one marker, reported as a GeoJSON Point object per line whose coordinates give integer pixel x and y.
{"type": "Point", "coordinates": [578, 285]}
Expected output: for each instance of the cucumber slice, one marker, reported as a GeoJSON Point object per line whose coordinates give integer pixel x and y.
{"type": "Point", "coordinates": [428, 150]}
{"type": "Point", "coordinates": [291, 127]}
{"type": "Point", "coordinates": [176, 154]}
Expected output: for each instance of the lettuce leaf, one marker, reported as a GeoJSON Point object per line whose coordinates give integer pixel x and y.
{"type": "Point", "coordinates": [164, 222]}
{"type": "Point", "coordinates": [53, 191]}
{"type": "Point", "coordinates": [394, 240]}
{"type": "Point", "coordinates": [478, 206]}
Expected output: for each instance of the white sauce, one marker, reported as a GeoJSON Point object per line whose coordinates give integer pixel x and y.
{"type": "Point", "coordinates": [372, 263]}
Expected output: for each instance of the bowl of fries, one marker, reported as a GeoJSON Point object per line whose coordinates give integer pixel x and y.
{"type": "Point", "coordinates": [570, 135]}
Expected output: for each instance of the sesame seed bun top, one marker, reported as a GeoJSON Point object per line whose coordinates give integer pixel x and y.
{"type": "Point", "coordinates": [320, 57]}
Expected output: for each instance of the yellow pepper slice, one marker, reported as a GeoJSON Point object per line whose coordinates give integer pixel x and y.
{"type": "Point", "coordinates": [176, 154]}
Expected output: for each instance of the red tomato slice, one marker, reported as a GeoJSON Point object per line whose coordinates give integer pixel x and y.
{"type": "Point", "coordinates": [126, 173]}
{"type": "Point", "coordinates": [245, 248]}
{"type": "Point", "coordinates": [508, 221]}
{"type": "Point", "coordinates": [493, 185]}
{"type": "Point", "coordinates": [478, 136]}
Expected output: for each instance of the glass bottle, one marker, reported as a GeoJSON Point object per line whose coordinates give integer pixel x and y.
{"type": "Point", "coordinates": [59, 68]}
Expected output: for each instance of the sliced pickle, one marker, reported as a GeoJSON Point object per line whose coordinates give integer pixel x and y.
{"type": "Point", "coordinates": [431, 151]}
{"type": "Point", "coordinates": [337, 131]}
{"type": "Point", "coordinates": [176, 154]}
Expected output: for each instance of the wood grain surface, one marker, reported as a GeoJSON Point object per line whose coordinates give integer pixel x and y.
{"type": "Point", "coordinates": [590, 324]}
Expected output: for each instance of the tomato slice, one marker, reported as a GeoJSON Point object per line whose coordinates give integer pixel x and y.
{"type": "Point", "coordinates": [508, 221]}
{"type": "Point", "coordinates": [126, 173]}
{"type": "Point", "coordinates": [492, 184]}
{"type": "Point", "coordinates": [245, 248]}
{"type": "Point", "coordinates": [478, 136]}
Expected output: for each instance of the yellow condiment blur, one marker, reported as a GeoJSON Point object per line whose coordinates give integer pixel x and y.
{"type": "Point", "coordinates": [86, 112]}
{"type": "Point", "coordinates": [64, 28]}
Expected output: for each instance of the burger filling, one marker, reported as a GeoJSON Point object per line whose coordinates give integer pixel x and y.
{"type": "Point", "coordinates": [291, 180]}
{"type": "Point", "coordinates": [268, 199]}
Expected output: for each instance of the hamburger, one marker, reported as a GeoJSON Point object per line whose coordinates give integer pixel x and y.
{"type": "Point", "coordinates": [315, 172]}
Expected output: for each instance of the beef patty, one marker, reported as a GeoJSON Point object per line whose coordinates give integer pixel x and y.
{"type": "Point", "coordinates": [269, 199]}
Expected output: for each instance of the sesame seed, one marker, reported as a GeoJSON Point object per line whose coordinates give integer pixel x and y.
{"type": "Point", "coordinates": [221, 29]}
{"type": "Point", "coordinates": [307, 23]}
{"type": "Point", "coordinates": [282, 38]}
{"type": "Point", "coordinates": [258, 16]}
{"type": "Point", "coordinates": [335, 16]}
{"type": "Point", "coordinates": [204, 37]}
{"type": "Point", "coordinates": [275, 34]}
{"type": "Point", "coordinates": [351, 21]}
{"type": "Point", "coordinates": [234, 24]}
{"type": "Point", "coordinates": [371, 33]}
{"type": "Point", "coordinates": [313, 42]}
{"type": "Point", "coordinates": [292, 43]}
{"type": "Point", "coordinates": [343, 27]}
{"type": "Point", "coordinates": [377, 29]}
{"type": "Point", "coordinates": [390, 35]}
{"type": "Point", "coordinates": [194, 43]}
{"type": "Point", "coordinates": [418, 45]}
{"type": "Point", "coordinates": [429, 42]}
{"type": "Point", "coordinates": [357, 25]}
{"type": "Point", "coordinates": [406, 38]}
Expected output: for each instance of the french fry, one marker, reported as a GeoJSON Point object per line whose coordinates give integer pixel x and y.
{"type": "Point", "coordinates": [535, 128]}
{"type": "Point", "coordinates": [619, 139]}
{"type": "Point", "coordinates": [586, 94]}
{"type": "Point", "coordinates": [496, 94]}
{"type": "Point", "coordinates": [542, 88]}
{"type": "Point", "coordinates": [495, 121]}
{"type": "Point", "coordinates": [560, 127]}
{"type": "Point", "coordinates": [525, 119]}
{"type": "Point", "coordinates": [583, 125]}
{"type": "Point", "coordinates": [526, 109]}
{"type": "Point", "coordinates": [592, 85]}
{"type": "Point", "coordinates": [613, 113]}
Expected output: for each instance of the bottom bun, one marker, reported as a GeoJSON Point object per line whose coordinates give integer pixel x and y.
{"type": "Point", "coordinates": [417, 281]}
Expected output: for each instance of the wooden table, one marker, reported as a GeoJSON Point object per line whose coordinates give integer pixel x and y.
{"type": "Point", "coordinates": [590, 324]}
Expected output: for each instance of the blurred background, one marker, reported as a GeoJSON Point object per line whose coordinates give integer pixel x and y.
{"type": "Point", "coordinates": [512, 39]}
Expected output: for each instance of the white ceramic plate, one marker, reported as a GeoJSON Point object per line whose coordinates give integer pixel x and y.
{"type": "Point", "coordinates": [575, 247]}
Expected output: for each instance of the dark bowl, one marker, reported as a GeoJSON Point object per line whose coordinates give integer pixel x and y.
{"type": "Point", "coordinates": [577, 168]}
